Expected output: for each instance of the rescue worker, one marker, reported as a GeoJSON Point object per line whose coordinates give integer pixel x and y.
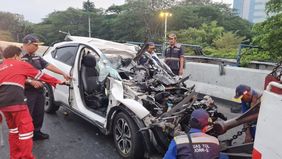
{"type": "Point", "coordinates": [34, 89]}
{"type": "Point", "coordinates": [13, 74]}
{"type": "Point", "coordinates": [248, 98]}
{"type": "Point", "coordinates": [150, 57]}
{"type": "Point", "coordinates": [202, 146]}
{"type": "Point", "coordinates": [151, 53]}
{"type": "Point", "coordinates": [174, 56]}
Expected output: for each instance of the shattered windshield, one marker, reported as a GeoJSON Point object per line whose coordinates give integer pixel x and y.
{"type": "Point", "coordinates": [103, 66]}
{"type": "Point", "coordinates": [106, 69]}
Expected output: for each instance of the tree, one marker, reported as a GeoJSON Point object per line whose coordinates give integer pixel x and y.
{"type": "Point", "coordinates": [193, 2]}
{"type": "Point", "coordinates": [15, 25]}
{"type": "Point", "coordinates": [274, 6]}
{"type": "Point", "coordinates": [203, 36]}
{"type": "Point", "coordinates": [5, 36]}
{"type": "Point", "coordinates": [88, 6]}
{"type": "Point", "coordinates": [185, 16]}
{"type": "Point", "coordinates": [137, 20]}
{"type": "Point", "coordinates": [71, 20]}
{"type": "Point", "coordinates": [228, 41]}
{"type": "Point", "coordinates": [268, 33]}
{"type": "Point", "coordinates": [114, 9]}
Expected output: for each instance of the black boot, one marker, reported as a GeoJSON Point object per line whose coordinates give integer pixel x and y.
{"type": "Point", "coordinates": [38, 135]}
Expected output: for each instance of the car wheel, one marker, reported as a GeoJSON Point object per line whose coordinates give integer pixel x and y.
{"type": "Point", "coordinates": [126, 137]}
{"type": "Point", "coordinates": [50, 106]}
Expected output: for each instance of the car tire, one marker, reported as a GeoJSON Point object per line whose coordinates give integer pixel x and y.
{"type": "Point", "coordinates": [126, 137]}
{"type": "Point", "coordinates": [50, 106]}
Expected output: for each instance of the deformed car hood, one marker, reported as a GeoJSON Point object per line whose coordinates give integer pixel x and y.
{"type": "Point", "coordinates": [109, 47]}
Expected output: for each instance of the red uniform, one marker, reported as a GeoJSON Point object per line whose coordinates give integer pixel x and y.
{"type": "Point", "coordinates": [13, 74]}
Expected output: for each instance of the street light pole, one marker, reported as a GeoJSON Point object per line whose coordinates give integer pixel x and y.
{"type": "Point", "coordinates": [165, 15]}
{"type": "Point", "coordinates": [165, 27]}
{"type": "Point", "coordinates": [89, 26]}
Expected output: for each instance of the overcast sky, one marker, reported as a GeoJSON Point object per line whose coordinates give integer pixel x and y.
{"type": "Point", "coordinates": [35, 10]}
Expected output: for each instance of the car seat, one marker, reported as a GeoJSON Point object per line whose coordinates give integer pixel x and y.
{"type": "Point", "coordinates": [91, 84]}
{"type": "Point", "coordinates": [89, 74]}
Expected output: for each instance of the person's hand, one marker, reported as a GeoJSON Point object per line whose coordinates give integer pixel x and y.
{"type": "Point", "coordinates": [248, 137]}
{"type": "Point", "coordinates": [36, 84]}
{"type": "Point", "coordinates": [180, 73]}
{"type": "Point", "coordinates": [67, 77]}
{"type": "Point", "coordinates": [67, 83]}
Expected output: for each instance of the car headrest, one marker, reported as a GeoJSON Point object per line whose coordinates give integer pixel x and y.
{"type": "Point", "coordinates": [89, 60]}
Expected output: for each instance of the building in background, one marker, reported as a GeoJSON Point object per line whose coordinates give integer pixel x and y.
{"type": "Point", "coordinates": [251, 10]}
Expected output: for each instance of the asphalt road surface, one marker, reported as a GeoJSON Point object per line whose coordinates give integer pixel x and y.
{"type": "Point", "coordinates": [71, 137]}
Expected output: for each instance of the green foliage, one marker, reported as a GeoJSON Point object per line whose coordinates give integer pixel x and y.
{"type": "Point", "coordinates": [15, 25]}
{"type": "Point", "coordinates": [195, 22]}
{"type": "Point", "coordinates": [221, 53]}
{"type": "Point", "coordinates": [209, 35]}
{"type": "Point", "coordinates": [72, 20]}
{"type": "Point", "coordinates": [5, 36]}
{"type": "Point", "coordinates": [203, 36]}
{"type": "Point", "coordinates": [196, 2]}
{"type": "Point", "coordinates": [254, 55]}
{"type": "Point", "coordinates": [228, 40]}
{"type": "Point", "coordinates": [88, 6]}
{"type": "Point", "coordinates": [185, 16]}
{"type": "Point", "coordinates": [114, 9]}
{"type": "Point", "coordinates": [268, 35]}
{"type": "Point", "coordinates": [274, 6]}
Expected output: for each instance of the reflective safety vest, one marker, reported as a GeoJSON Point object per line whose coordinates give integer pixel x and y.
{"type": "Point", "coordinates": [172, 56]}
{"type": "Point", "coordinates": [205, 146]}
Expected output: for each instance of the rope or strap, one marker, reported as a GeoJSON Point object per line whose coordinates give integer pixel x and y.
{"type": "Point", "coordinates": [191, 145]}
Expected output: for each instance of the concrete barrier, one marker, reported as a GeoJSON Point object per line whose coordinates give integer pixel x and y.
{"type": "Point", "coordinates": [218, 81]}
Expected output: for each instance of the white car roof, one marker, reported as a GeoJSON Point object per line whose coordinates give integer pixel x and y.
{"type": "Point", "coordinates": [108, 47]}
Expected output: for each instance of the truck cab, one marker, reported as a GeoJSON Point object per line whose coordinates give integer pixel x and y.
{"type": "Point", "coordinates": [267, 143]}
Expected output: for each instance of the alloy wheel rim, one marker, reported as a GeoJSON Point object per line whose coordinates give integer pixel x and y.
{"type": "Point", "coordinates": [123, 136]}
{"type": "Point", "coordinates": [47, 97]}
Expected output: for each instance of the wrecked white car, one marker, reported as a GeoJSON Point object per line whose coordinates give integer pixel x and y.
{"type": "Point", "coordinates": [143, 107]}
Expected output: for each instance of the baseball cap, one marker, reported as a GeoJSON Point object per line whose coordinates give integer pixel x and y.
{"type": "Point", "coordinates": [201, 116]}
{"type": "Point", "coordinates": [239, 92]}
{"type": "Point", "coordinates": [171, 35]}
{"type": "Point", "coordinates": [31, 38]}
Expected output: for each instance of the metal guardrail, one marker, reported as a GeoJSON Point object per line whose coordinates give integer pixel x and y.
{"type": "Point", "coordinates": [230, 62]}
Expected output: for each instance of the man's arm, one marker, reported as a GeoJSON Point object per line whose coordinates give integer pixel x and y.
{"type": "Point", "coordinates": [34, 83]}
{"type": "Point", "coordinates": [30, 71]}
{"type": "Point", "coordinates": [58, 71]}
{"type": "Point", "coordinates": [181, 65]}
{"type": "Point", "coordinates": [181, 61]}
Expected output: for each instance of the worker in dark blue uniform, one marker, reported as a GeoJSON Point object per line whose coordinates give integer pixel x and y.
{"type": "Point", "coordinates": [34, 89]}
{"type": "Point", "coordinates": [200, 145]}
{"type": "Point", "coordinates": [248, 98]}
{"type": "Point", "coordinates": [150, 52]}
{"type": "Point", "coordinates": [174, 56]}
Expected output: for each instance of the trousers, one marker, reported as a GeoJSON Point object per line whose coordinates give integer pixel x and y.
{"type": "Point", "coordinates": [20, 133]}
{"type": "Point", "coordinates": [35, 102]}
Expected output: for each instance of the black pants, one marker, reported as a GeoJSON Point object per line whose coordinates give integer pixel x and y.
{"type": "Point", "coordinates": [176, 72]}
{"type": "Point", "coordinates": [35, 102]}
